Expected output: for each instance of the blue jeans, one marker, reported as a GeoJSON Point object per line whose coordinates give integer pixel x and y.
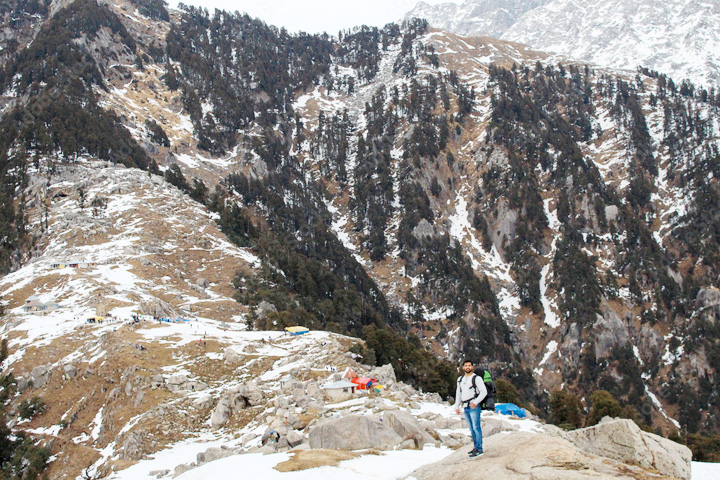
{"type": "Point", "coordinates": [472, 415]}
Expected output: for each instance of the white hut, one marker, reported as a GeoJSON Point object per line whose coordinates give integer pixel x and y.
{"type": "Point", "coordinates": [339, 391]}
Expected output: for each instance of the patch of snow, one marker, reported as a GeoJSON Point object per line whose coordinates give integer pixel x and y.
{"type": "Point", "coordinates": [550, 349]}
{"type": "Point", "coordinates": [705, 471]}
{"type": "Point", "coordinates": [549, 305]}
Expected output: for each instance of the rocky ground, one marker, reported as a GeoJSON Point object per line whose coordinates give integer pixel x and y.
{"type": "Point", "coordinates": [193, 395]}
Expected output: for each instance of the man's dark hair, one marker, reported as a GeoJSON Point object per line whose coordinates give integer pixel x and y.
{"type": "Point", "coordinates": [467, 360]}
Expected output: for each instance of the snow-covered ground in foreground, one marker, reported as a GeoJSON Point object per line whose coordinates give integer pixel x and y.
{"type": "Point", "coordinates": [390, 465]}
{"type": "Point", "coordinates": [387, 466]}
{"type": "Point", "coordinates": [705, 471]}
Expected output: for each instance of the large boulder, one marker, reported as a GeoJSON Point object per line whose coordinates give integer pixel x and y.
{"type": "Point", "coordinates": [230, 355]}
{"type": "Point", "coordinates": [158, 308]}
{"type": "Point", "coordinates": [450, 423]}
{"type": "Point", "coordinates": [70, 371]}
{"type": "Point", "coordinates": [203, 402]}
{"type": "Point", "coordinates": [353, 432]}
{"type": "Point", "coordinates": [264, 308]}
{"type": "Point", "coordinates": [622, 440]}
{"type": "Point", "coordinates": [294, 439]}
{"type": "Point", "coordinates": [385, 375]}
{"type": "Point", "coordinates": [175, 383]}
{"type": "Point", "coordinates": [456, 440]}
{"type": "Point", "coordinates": [221, 414]}
{"type": "Point", "coordinates": [407, 427]}
{"type": "Point", "coordinates": [212, 454]}
{"type": "Point", "coordinates": [524, 455]}
{"type": "Point", "coordinates": [40, 375]}
{"type": "Point", "coordinates": [181, 382]}
{"type": "Point", "coordinates": [134, 446]}
{"type": "Point", "coordinates": [251, 394]}
{"type": "Point", "coordinates": [313, 389]}
{"type": "Point", "coordinates": [493, 425]}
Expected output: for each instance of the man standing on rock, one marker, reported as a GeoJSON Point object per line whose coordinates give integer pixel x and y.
{"type": "Point", "coordinates": [470, 392]}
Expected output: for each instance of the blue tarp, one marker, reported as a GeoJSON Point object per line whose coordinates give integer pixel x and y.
{"type": "Point", "coordinates": [510, 409]}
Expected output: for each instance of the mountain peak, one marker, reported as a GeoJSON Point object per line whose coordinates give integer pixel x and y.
{"type": "Point", "coordinates": [678, 37]}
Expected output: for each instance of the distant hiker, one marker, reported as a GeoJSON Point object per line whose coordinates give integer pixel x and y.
{"type": "Point", "coordinates": [470, 393]}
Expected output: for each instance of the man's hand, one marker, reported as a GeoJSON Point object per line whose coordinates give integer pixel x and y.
{"type": "Point", "coordinates": [472, 405]}
{"type": "Point", "coordinates": [457, 410]}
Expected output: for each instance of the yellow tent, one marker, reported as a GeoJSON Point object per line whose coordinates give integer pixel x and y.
{"type": "Point", "coordinates": [296, 330]}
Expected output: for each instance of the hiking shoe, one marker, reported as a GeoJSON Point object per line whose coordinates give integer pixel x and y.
{"type": "Point", "coordinates": [472, 452]}
{"type": "Point", "coordinates": [475, 453]}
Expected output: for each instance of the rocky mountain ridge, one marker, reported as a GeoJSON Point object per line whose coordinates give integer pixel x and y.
{"type": "Point", "coordinates": [485, 18]}
{"type": "Point", "coordinates": [423, 190]}
{"type": "Point", "coordinates": [677, 38]}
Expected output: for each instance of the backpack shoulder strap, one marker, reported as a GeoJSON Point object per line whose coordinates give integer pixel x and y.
{"type": "Point", "coordinates": [474, 383]}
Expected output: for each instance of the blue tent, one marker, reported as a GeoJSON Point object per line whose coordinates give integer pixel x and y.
{"type": "Point", "coordinates": [510, 409]}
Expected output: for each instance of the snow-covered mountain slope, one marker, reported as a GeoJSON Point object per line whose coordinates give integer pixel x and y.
{"type": "Point", "coordinates": [676, 37]}
{"type": "Point", "coordinates": [477, 18]}
{"type": "Point", "coordinates": [129, 233]}
{"type": "Point", "coordinates": [440, 196]}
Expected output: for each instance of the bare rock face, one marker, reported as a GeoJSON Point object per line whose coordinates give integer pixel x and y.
{"type": "Point", "coordinates": [611, 213]}
{"type": "Point", "coordinates": [354, 432]}
{"type": "Point", "coordinates": [503, 229]}
{"type": "Point", "coordinates": [423, 229]}
{"type": "Point", "coordinates": [237, 398]}
{"type": "Point", "coordinates": [708, 299]}
{"type": "Point", "coordinates": [612, 331]}
{"type": "Point", "coordinates": [622, 440]}
{"type": "Point", "coordinates": [456, 440]}
{"type": "Point", "coordinates": [525, 455]}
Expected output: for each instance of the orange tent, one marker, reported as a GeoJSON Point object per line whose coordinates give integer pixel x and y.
{"type": "Point", "coordinates": [364, 383]}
